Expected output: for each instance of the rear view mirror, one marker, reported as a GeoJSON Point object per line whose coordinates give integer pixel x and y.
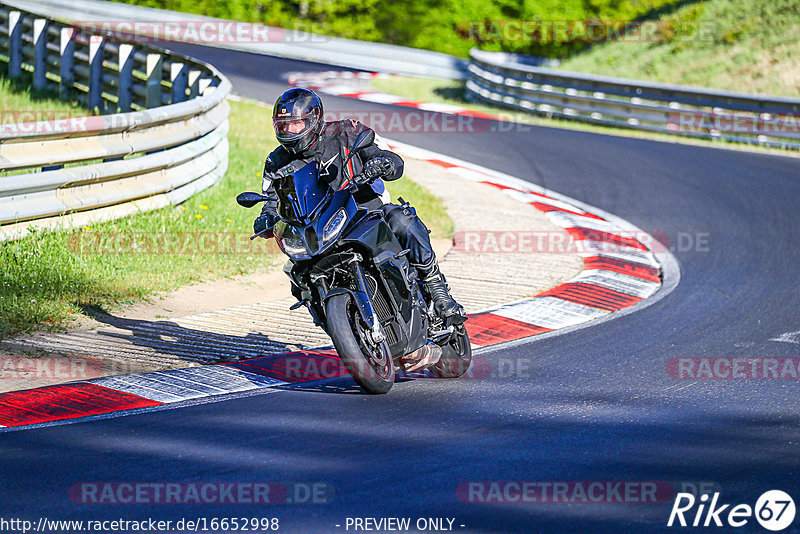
{"type": "Point", "coordinates": [248, 200]}
{"type": "Point", "coordinates": [363, 140]}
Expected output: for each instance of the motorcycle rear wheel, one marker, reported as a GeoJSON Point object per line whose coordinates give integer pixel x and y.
{"type": "Point", "coordinates": [456, 356]}
{"type": "Point", "coordinates": [375, 374]}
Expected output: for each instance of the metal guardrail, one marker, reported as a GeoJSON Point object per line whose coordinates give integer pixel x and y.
{"type": "Point", "coordinates": [500, 79]}
{"type": "Point", "coordinates": [166, 141]}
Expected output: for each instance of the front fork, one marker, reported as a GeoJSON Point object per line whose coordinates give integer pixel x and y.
{"type": "Point", "coordinates": [361, 295]}
{"type": "Point", "coordinates": [364, 300]}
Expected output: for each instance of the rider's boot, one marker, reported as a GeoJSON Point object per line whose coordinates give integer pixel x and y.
{"type": "Point", "coordinates": [443, 303]}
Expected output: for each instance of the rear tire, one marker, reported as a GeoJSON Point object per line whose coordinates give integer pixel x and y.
{"type": "Point", "coordinates": [375, 375]}
{"type": "Point", "coordinates": [456, 356]}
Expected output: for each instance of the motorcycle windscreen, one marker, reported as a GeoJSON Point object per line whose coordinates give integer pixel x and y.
{"type": "Point", "coordinates": [309, 192]}
{"type": "Point", "coordinates": [301, 193]}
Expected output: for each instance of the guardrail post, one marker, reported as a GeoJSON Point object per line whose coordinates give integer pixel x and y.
{"type": "Point", "coordinates": [14, 44]}
{"type": "Point", "coordinates": [96, 56]}
{"type": "Point", "coordinates": [194, 83]}
{"type": "Point", "coordinates": [153, 67]}
{"type": "Point", "coordinates": [125, 77]}
{"type": "Point", "coordinates": [203, 85]}
{"type": "Point", "coordinates": [67, 52]}
{"type": "Point", "coordinates": [40, 53]}
{"type": "Point", "coordinates": [179, 76]}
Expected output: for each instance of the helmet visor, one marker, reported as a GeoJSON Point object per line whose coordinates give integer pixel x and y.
{"type": "Point", "coordinates": [293, 128]}
{"type": "Point", "coordinates": [286, 127]}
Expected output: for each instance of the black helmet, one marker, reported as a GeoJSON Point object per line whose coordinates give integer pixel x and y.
{"type": "Point", "coordinates": [297, 119]}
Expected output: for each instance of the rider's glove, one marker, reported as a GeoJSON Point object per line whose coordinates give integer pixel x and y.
{"type": "Point", "coordinates": [266, 220]}
{"type": "Point", "coordinates": [377, 167]}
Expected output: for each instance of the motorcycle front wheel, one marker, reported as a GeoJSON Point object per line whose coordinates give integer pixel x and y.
{"type": "Point", "coordinates": [370, 365]}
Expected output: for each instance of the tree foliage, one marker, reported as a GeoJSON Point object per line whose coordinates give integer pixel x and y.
{"type": "Point", "coordinates": [549, 28]}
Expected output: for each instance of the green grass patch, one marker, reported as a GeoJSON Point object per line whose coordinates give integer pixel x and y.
{"type": "Point", "coordinates": [737, 45]}
{"type": "Point", "coordinates": [50, 277]}
{"type": "Point", "coordinates": [18, 99]}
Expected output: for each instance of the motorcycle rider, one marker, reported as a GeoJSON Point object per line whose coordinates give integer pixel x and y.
{"type": "Point", "coordinates": [305, 136]}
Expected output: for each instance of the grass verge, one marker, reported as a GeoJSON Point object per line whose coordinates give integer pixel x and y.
{"type": "Point", "coordinates": [736, 45]}
{"type": "Point", "coordinates": [49, 278]}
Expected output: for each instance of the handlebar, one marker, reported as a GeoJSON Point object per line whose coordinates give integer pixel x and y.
{"type": "Point", "coordinates": [266, 233]}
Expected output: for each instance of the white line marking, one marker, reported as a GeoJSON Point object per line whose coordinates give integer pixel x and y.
{"type": "Point", "coordinates": [636, 287]}
{"type": "Point", "coordinates": [633, 256]}
{"type": "Point", "coordinates": [548, 312]}
{"type": "Point", "coordinates": [788, 337]}
{"type": "Point", "coordinates": [182, 384]}
{"type": "Point", "coordinates": [380, 98]}
{"type": "Point", "coordinates": [530, 197]}
{"type": "Point", "coordinates": [568, 220]}
{"type": "Point", "coordinates": [439, 108]}
{"type": "Point", "coordinates": [340, 89]}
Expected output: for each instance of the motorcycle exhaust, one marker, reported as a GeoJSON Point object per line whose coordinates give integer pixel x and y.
{"type": "Point", "coordinates": [421, 358]}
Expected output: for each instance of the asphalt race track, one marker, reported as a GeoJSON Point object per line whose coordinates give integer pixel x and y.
{"type": "Point", "coordinates": [593, 405]}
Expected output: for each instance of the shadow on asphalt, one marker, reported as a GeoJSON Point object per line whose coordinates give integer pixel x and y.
{"type": "Point", "coordinates": [188, 344]}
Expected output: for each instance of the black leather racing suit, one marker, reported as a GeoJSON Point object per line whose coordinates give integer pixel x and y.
{"type": "Point", "coordinates": [330, 150]}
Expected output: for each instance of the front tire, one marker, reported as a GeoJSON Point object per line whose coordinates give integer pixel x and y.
{"type": "Point", "coordinates": [456, 356]}
{"type": "Point", "coordinates": [370, 366]}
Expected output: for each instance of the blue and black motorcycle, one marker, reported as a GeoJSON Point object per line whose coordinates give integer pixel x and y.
{"type": "Point", "coordinates": [352, 274]}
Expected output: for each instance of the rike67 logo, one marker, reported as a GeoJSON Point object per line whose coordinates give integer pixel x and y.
{"type": "Point", "coordinates": [774, 511]}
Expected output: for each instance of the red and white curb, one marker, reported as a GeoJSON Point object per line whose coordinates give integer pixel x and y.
{"type": "Point", "coordinates": [620, 269]}
{"type": "Point", "coordinates": [343, 83]}
{"type": "Point", "coordinates": [620, 272]}
{"type": "Point", "coordinates": [155, 389]}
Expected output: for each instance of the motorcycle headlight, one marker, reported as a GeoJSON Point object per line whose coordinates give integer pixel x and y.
{"type": "Point", "coordinates": [294, 247]}
{"type": "Point", "coordinates": [291, 242]}
{"type": "Point", "coordinates": [334, 226]}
